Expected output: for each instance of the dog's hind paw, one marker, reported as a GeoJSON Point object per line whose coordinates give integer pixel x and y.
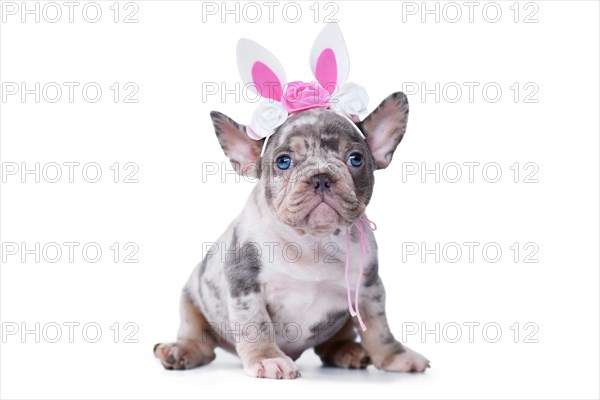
{"type": "Point", "coordinates": [183, 354]}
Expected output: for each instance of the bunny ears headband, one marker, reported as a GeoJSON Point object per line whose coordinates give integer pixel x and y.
{"type": "Point", "coordinates": [330, 64]}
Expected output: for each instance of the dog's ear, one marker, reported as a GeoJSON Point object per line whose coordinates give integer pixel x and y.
{"type": "Point", "coordinates": [242, 151]}
{"type": "Point", "coordinates": [384, 128]}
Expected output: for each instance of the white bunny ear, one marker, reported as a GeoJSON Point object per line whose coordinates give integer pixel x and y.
{"type": "Point", "coordinates": [260, 69]}
{"type": "Point", "coordinates": [329, 59]}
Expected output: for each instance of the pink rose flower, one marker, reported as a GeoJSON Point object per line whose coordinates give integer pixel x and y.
{"type": "Point", "coordinates": [300, 96]}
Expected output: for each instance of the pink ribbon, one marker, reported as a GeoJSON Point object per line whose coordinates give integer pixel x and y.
{"type": "Point", "coordinates": [365, 249]}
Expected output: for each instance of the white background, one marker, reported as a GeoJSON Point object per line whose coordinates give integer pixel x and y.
{"type": "Point", "coordinates": [171, 54]}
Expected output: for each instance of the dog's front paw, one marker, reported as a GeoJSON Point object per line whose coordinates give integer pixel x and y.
{"type": "Point", "coordinates": [274, 368]}
{"type": "Point", "coordinates": [406, 361]}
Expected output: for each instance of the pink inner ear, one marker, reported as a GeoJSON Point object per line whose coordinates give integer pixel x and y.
{"type": "Point", "coordinates": [267, 83]}
{"type": "Point", "coordinates": [326, 70]}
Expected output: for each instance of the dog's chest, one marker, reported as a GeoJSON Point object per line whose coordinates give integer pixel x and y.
{"type": "Point", "coordinates": [306, 303]}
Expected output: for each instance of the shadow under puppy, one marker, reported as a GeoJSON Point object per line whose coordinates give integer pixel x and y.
{"type": "Point", "coordinates": [315, 182]}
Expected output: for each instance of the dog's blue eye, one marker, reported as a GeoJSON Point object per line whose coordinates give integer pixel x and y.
{"type": "Point", "coordinates": [355, 160]}
{"type": "Point", "coordinates": [284, 162]}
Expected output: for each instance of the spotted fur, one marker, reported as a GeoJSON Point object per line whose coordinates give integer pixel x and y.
{"type": "Point", "coordinates": [267, 306]}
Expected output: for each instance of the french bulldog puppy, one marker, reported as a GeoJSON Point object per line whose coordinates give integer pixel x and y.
{"type": "Point", "coordinates": [315, 181]}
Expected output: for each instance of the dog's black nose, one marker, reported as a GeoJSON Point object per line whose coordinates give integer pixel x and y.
{"type": "Point", "coordinates": [321, 183]}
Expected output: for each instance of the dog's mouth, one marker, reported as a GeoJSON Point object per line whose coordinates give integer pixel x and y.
{"type": "Point", "coordinates": [323, 215]}
{"type": "Point", "coordinates": [324, 211]}
{"type": "Point", "coordinates": [319, 213]}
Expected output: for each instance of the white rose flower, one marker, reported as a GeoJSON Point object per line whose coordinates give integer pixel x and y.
{"type": "Point", "coordinates": [267, 117]}
{"type": "Point", "coordinates": [351, 100]}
